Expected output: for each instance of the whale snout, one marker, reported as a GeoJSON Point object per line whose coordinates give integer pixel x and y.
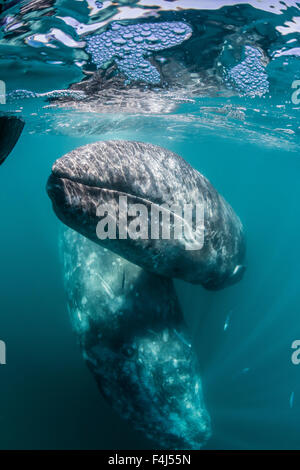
{"type": "Point", "coordinates": [96, 167]}
{"type": "Point", "coordinates": [55, 189]}
{"type": "Point", "coordinates": [72, 169]}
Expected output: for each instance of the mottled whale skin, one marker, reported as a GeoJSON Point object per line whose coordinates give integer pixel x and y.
{"type": "Point", "coordinates": [10, 130]}
{"type": "Point", "coordinates": [100, 172]}
{"type": "Point", "coordinates": [134, 340]}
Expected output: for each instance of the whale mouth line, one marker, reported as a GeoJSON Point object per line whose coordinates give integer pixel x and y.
{"type": "Point", "coordinates": [84, 181]}
{"type": "Point", "coordinates": [60, 175]}
{"type": "Point", "coordinates": [59, 178]}
{"type": "Point", "coordinates": [113, 192]}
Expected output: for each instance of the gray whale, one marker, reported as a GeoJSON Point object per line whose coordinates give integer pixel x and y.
{"type": "Point", "coordinates": [134, 340]}
{"type": "Point", "coordinates": [100, 172]}
{"type": "Point", "coordinates": [124, 308]}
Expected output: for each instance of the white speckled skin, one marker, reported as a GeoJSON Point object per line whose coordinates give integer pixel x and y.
{"type": "Point", "coordinates": [134, 340]}
{"type": "Point", "coordinates": [100, 172]}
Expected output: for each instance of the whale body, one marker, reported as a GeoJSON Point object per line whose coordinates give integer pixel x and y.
{"type": "Point", "coordinates": [135, 342]}
{"type": "Point", "coordinates": [99, 173]}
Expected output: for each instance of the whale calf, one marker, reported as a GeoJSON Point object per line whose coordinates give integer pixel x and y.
{"type": "Point", "coordinates": [10, 131]}
{"type": "Point", "coordinates": [99, 173]}
{"type": "Point", "coordinates": [134, 340]}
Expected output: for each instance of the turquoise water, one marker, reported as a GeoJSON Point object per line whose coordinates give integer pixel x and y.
{"type": "Point", "coordinates": [245, 143]}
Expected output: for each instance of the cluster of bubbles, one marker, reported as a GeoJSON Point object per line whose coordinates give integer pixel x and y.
{"type": "Point", "coordinates": [28, 94]}
{"type": "Point", "coordinates": [249, 77]}
{"type": "Point", "coordinates": [130, 45]}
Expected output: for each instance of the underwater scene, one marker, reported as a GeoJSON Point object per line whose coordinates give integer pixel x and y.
{"type": "Point", "coordinates": [149, 191]}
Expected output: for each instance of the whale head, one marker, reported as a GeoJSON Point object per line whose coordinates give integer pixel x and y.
{"type": "Point", "coordinates": [88, 185]}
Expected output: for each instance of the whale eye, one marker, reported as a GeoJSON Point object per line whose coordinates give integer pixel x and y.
{"type": "Point", "coordinates": [238, 273]}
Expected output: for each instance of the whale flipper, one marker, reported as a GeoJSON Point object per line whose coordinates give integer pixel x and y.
{"type": "Point", "coordinates": [10, 130]}
{"type": "Point", "coordinates": [135, 342]}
